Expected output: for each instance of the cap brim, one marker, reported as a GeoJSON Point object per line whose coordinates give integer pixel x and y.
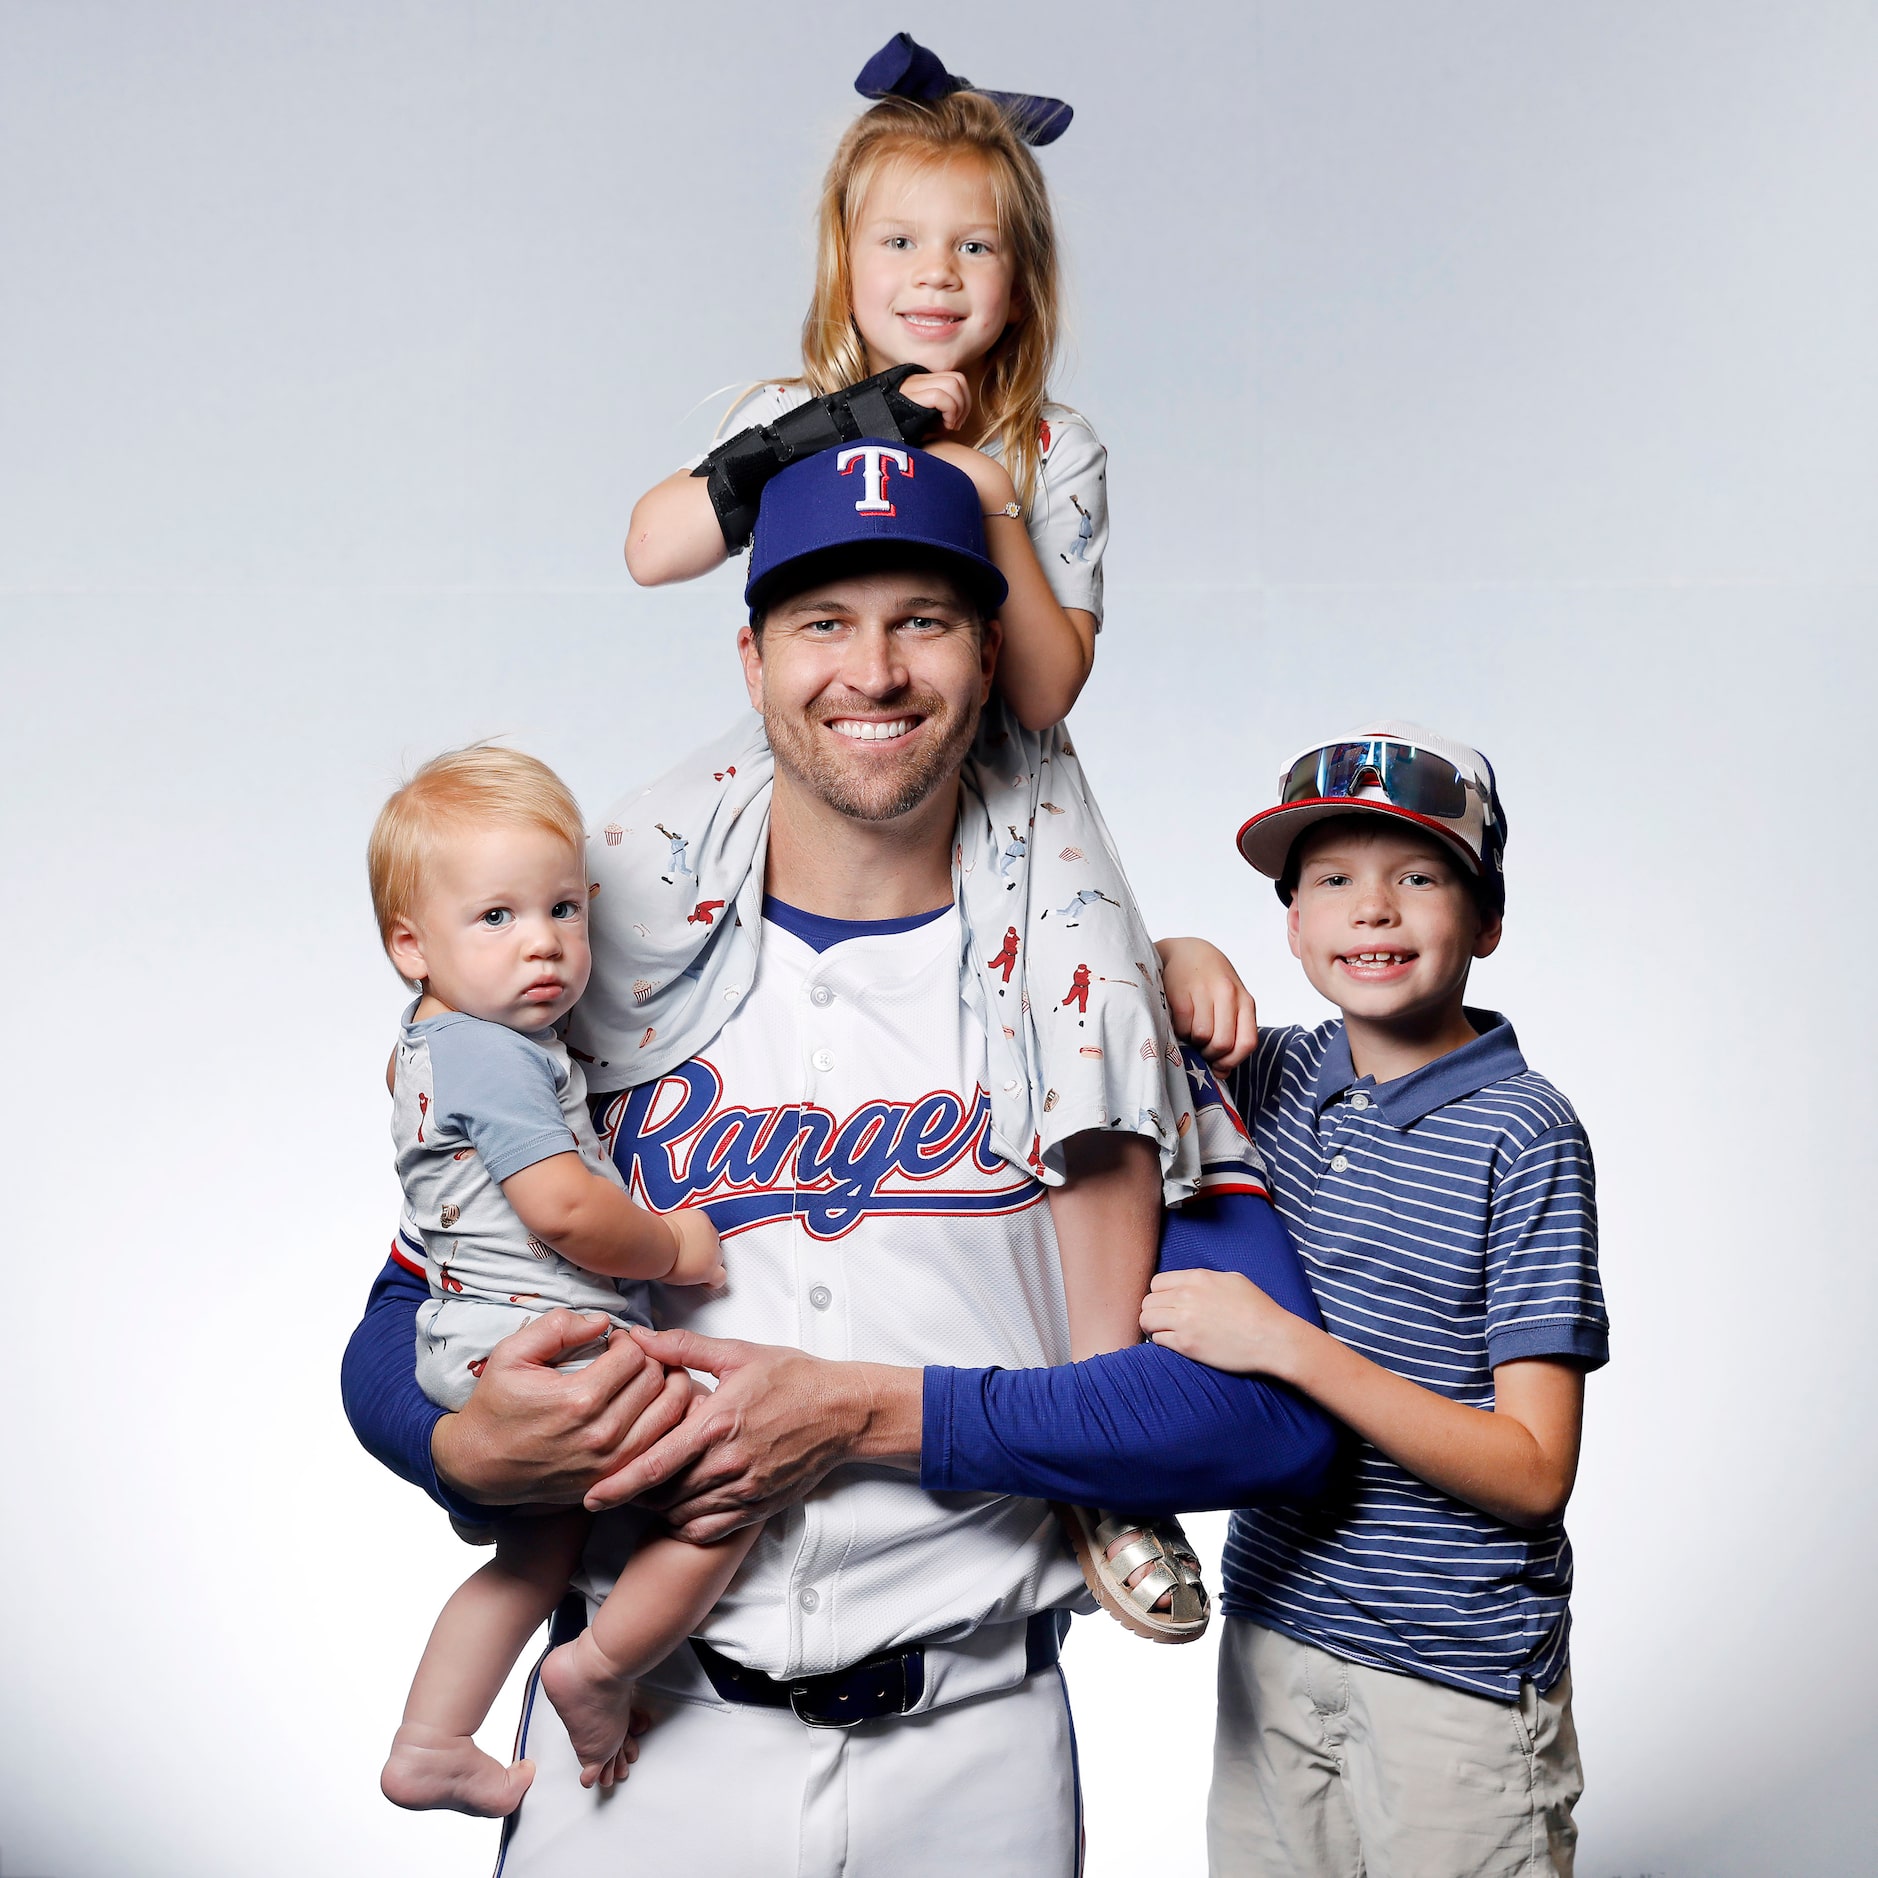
{"type": "Point", "coordinates": [979, 578]}
{"type": "Point", "coordinates": [1266, 839]}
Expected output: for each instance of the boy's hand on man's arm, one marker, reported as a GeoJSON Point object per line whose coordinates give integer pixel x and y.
{"type": "Point", "coordinates": [1208, 1001]}
{"type": "Point", "coordinates": [1224, 1320]}
{"type": "Point", "coordinates": [532, 1432]}
{"type": "Point", "coordinates": [1517, 1460]}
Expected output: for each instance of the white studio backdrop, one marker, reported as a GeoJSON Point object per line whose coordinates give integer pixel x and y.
{"type": "Point", "coordinates": [1504, 366]}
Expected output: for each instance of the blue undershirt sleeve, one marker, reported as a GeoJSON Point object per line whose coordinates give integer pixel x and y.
{"type": "Point", "coordinates": [1143, 1428]}
{"type": "Point", "coordinates": [392, 1417]}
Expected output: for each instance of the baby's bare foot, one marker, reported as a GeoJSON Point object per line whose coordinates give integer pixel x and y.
{"type": "Point", "coordinates": [594, 1698]}
{"type": "Point", "coordinates": [429, 1768]}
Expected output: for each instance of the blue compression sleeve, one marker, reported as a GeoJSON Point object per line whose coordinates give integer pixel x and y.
{"type": "Point", "coordinates": [392, 1417]}
{"type": "Point", "coordinates": [1143, 1428]}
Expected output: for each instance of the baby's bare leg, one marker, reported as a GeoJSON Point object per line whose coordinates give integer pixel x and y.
{"type": "Point", "coordinates": [1107, 1216]}
{"type": "Point", "coordinates": [478, 1635]}
{"type": "Point", "coordinates": [659, 1600]}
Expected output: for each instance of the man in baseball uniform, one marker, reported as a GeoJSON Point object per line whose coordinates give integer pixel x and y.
{"type": "Point", "coordinates": [877, 1690]}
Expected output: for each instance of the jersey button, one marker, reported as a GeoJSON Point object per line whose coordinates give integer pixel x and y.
{"type": "Point", "coordinates": [821, 1297]}
{"type": "Point", "coordinates": [823, 1060]}
{"type": "Point", "coordinates": [1340, 1164]}
{"type": "Point", "coordinates": [1359, 1100]}
{"type": "Point", "coordinates": [821, 995]}
{"type": "Point", "coordinates": [810, 1599]}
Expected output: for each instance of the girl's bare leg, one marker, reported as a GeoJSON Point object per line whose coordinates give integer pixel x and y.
{"type": "Point", "coordinates": [1107, 1217]}
{"type": "Point", "coordinates": [478, 1635]}
{"type": "Point", "coordinates": [658, 1601]}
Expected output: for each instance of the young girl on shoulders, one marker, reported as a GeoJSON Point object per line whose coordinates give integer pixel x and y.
{"type": "Point", "coordinates": [934, 322]}
{"type": "Point", "coordinates": [936, 252]}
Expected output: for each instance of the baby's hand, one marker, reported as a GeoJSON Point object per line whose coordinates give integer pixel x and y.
{"type": "Point", "coordinates": [1221, 1319]}
{"type": "Point", "coordinates": [944, 392]}
{"type": "Point", "coordinates": [700, 1259]}
{"type": "Point", "coordinates": [1208, 1001]}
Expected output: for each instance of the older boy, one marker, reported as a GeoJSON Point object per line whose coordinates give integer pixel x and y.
{"type": "Point", "coordinates": [1394, 1689]}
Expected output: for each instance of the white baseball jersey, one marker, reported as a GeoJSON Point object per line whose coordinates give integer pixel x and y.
{"type": "Point", "coordinates": [838, 1129]}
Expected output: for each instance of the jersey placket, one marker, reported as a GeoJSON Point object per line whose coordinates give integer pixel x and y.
{"type": "Point", "coordinates": [829, 1060]}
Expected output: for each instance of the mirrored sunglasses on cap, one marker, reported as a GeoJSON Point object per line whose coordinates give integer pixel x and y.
{"type": "Point", "coordinates": [1391, 769]}
{"type": "Point", "coordinates": [1412, 778]}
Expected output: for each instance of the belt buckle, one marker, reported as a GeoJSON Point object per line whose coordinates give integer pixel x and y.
{"type": "Point", "coordinates": [800, 1697]}
{"type": "Point", "coordinates": [819, 1707]}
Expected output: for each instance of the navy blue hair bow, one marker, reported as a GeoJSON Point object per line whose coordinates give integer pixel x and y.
{"type": "Point", "coordinates": [903, 68]}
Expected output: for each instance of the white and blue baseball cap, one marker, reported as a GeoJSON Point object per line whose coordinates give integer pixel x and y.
{"type": "Point", "coordinates": [871, 494]}
{"type": "Point", "coordinates": [1387, 767]}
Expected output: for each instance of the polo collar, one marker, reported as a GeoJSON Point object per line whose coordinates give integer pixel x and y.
{"type": "Point", "coordinates": [1493, 1056]}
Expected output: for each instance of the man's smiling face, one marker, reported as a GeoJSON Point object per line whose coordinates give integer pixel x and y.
{"type": "Point", "coordinates": [1383, 920]}
{"type": "Point", "coordinates": [870, 685]}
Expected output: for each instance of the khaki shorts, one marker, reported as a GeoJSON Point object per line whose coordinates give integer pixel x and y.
{"type": "Point", "coordinates": [1328, 1769]}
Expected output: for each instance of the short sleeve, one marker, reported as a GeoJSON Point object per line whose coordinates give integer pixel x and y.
{"type": "Point", "coordinates": [1543, 1293]}
{"type": "Point", "coordinates": [761, 404]}
{"type": "Point", "coordinates": [499, 1091]}
{"type": "Point", "coordinates": [1069, 520]}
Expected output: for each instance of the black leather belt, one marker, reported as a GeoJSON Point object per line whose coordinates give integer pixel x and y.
{"type": "Point", "coordinates": [888, 1683]}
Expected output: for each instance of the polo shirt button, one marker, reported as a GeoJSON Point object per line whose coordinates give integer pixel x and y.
{"type": "Point", "coordinates": [823, 1060]}
{"type": "Point", "coordinates": [821, 1297]}
{"type": "Point", "coordinates": [821, 995]}
{"type": "Point", "coordinates": [1340, 1164]}
{"type": "Point", "coordinates": [810, 1599]}
{"type": "Point", "coordinates": [1359, 1100]}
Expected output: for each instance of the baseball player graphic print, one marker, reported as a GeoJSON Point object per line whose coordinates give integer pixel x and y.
{"type": "Point", "coordinates": [1006, 957]}
{"type": "Point", "coordinates": [679, 847]}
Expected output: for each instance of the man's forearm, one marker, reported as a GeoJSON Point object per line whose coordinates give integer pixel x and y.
{"type": "Point", "coordinates": [1142, 1428]}
{"type": "Point", "coordinates": [889, 1411]}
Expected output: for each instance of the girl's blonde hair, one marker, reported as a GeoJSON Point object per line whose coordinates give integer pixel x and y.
{"type": "Point", "coordinates": [458, 790]}
{"type": "Point", "coordinates": [1010, 410]}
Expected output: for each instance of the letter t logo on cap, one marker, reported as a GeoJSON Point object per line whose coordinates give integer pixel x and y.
{"type": "Point", "coordinates": [873, 458]}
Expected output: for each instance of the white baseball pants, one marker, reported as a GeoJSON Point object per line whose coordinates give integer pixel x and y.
{"type": "Point", "coordinates": [986, 1785]}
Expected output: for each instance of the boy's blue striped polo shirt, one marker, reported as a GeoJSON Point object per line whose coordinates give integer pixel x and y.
{"type": "Point", "coordinates": [1447, 1222]}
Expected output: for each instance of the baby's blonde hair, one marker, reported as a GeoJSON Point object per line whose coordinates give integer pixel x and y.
{"type": "Point", "coordinates": [1017, 368]}
{"type": "Point", "coordinates": [458, 790]}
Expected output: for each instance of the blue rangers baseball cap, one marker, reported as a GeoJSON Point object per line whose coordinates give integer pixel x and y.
{"type": "Point", "coordinates": [863, 501]}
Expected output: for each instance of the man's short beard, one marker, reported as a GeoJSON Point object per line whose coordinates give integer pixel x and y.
{"type": "Point", "coordinates": [876, 798]}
